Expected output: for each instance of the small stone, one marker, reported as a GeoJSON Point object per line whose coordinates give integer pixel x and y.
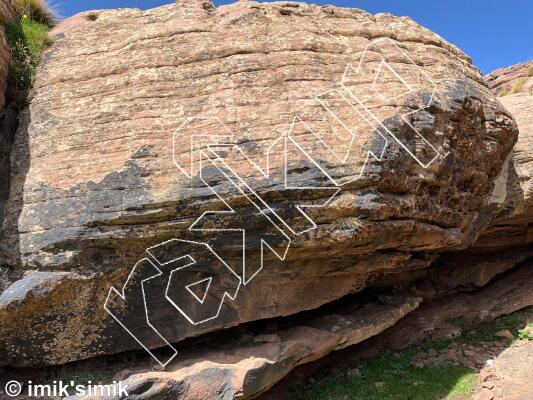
{"type": "Point", "coordinates": [418, 383]}
{"type": "Point", "coordinates": [488, 385]}
{"type": "Point", "coordinates": [485, 374]}
{"type": "Point", "coordinates": [468, 353]}
{"type": "Point", "coordinates": [158, 367]}
{"type": "Point", "coordinates": [396, 356]}
{"type": "Point", "coordinates": [484, 394]}
{"type": "Point", "coordinates": [353, 372]}
{"type": "Point", "coordinates": [208, 6]}
{"type": "Point", "coordinates": [122, 375]}
{"type": "Point", "coordinates": [479, 358]}
{"type": "Point", "coordinates": [504, 334]}
{"type": "Point", "coordinates": [311, 380]}
{"type": "Point", "coordinates": [269, 338]}
{"type": "Point", "coordinates": [418, 364]}
{"type": "Point", "coordinates": [246, 338]}
{"type": "Point", "coordinates": [379, 384]}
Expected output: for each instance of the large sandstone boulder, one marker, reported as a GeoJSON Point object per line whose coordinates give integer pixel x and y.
{"type": "Point", "coordinates": [514, 225]}
{"type": "Point", "coordinates": [143, 122]}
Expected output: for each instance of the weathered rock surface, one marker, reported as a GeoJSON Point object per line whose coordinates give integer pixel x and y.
{"type": "Point", "coordinates": [44, 295]}
{"type": "Point", "coordinates": [504, 78]}
{"type": "Point", "coordinates": [8, 120]}
{"type": "Point", "coordinates": [438, 320]}
{"type": "Point", "coordinates": [94, 183]}
{"type": "Point", "coordinates": [7, 13]}
{"type": "Point", "coordinates": [247, 370]}
{"type": "Point", "coordinates": [467, 271]}
{"type": "Point", "coordinates": [514, 227]}
{"type": "Point", "coordinates": [503, 296]}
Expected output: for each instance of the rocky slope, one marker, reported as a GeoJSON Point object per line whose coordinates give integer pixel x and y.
{"type": "Point", "coordinates": [392, 120]}
{"type": "Point", "coordinates": [502, 80]}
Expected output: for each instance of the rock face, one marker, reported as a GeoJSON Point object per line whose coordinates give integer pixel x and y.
{"type": "Point", "coordinates": [6, 14]}
{"type": "Point", "coordinates": [503, 79]}
{"type": "Point", "coordinates": [501, 297]}
{"type": "Point", "coordinates": [514, 226]}
{"type": "Point", "coordinates": [8, 120]}
{"type": "Point", "coordinates": [139, 118]}
{"type": "Point", "coordinates": [246, 370]}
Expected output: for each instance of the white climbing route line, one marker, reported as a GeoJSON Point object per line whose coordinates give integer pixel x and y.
{"type": "Point", "coordinates": [217, 157]}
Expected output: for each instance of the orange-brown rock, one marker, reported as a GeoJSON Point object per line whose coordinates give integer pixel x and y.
{"type": "Point", "coordinates": [514, 226]}
{"type": "Point", "coordinates": [95, 178]}
{"type": "Point", "coordinates": [7, 117]}
{"type": "Point", "coordinates": [245, 370]}
{"type": "Point", "coordinates": [503, 79]}
{"type": "Point", "coordinates": [510, 375]}
{"type": "Point", "coordinates": [6, 14]}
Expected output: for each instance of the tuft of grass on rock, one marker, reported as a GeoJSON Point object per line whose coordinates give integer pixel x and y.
{"type": "Point", "coordinates": [28, 39]}
{"type": "Point", "coordinates": [35, 10]}
{"type": "Point", "coordinates": [504, 92]}
{"type": "Point", "coordinates": [530, 70]}
{"type": "Point", "coordinates": [518, 86]}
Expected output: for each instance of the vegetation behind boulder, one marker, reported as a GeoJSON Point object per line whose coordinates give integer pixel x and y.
{"type": "Point", "coordinates": [36, 10]}
{"type": "Point", "coordinates": [28, 38]}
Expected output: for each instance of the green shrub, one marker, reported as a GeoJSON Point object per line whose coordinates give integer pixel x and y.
{"type": "Point", "coordinates": [28, 39]}
{"type": "Point", "coordinates": [526, 333]}
{"type": "Point", "coordinates": [35, 10]}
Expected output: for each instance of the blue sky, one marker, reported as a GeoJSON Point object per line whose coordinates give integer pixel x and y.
{"type": "Point", "coordinates": [495, 33]}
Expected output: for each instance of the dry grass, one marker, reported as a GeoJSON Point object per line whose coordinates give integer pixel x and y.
{"type": "Point", "coordinates": [36, 10]}
{"type": "Point", "coordinates": [530, 70]}
{"type": "Point", "coordinates": [503, 92]}
{"type": "Point", "coordinates": [518, 86]}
